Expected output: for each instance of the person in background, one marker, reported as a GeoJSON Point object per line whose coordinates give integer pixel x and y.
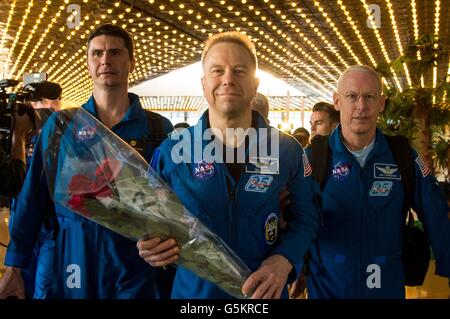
{"type": "Point", "coordinates": [37, 277]}
{"type": "Point", "coordinates": [261, 104]}
{"type": "Point", "coordinates": [324, 119]}
{"type": "Point", "coordinates": [12, 165]}
{"type": "Point", "coordinates": [181, 126]}
{"type": "Point", "coordinates": [302, 135]}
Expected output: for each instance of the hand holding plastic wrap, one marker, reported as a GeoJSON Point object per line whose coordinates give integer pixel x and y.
{"type": "Point", "coordinates": [91, 171]}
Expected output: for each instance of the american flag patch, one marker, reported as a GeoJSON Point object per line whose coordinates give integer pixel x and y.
{"type": "Point", "coordinates": [423, 166]}
{"type": "Point", "coordinates": [306, 167]}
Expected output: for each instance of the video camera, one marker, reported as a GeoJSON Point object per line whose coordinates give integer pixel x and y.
{"type": "Point", "coordinates": [19, 101]}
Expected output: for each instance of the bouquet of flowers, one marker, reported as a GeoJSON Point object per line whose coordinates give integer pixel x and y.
{"type": "Point", "coordinates": [93, 172]}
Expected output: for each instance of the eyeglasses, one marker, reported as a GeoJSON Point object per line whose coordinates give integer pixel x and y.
{"type": "Point", "coordinates": [352, 97]}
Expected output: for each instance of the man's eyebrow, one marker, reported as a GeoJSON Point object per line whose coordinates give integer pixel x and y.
{"type": "Point", "coordinates": [234, 66]}
{"type": "Point", "coordinates": [109, 50]}
{"type": "Point", "coordinates": [241, 66]}
{"type": "Point", "coordinates": [215, 66]}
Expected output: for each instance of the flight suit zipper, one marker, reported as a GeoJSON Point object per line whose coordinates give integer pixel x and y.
{"type": "Point", "coordinates": [231, 208]}
{"type": "Point", "coordinates": [363, 217]}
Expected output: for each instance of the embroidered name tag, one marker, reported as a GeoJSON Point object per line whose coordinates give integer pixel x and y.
{"type": "Point", "coordinates": [386, 171]}
{"type": "Point", "coordinates": [262, 165]}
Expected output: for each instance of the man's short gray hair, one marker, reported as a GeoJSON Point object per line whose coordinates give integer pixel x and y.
{"type": "Point", "coordinates": [361, 68]}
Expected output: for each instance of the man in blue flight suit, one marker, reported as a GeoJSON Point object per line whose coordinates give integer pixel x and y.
{"type": "Point", "coordinates": [238, 200]}
{"type": "Point", "coordinates": [90, 261]}
{"type": "Point", "coordinates": [358, 250]}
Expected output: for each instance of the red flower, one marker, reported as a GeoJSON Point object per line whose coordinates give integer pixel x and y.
{"type": "Point", "coordinates": [100, 190]}
{"type": "Point", "coordinates": [79, 183]}
{"type": "Point", "coordinates": [108, 171]}
{"type": "Point", "coordinates": [84, 189]}
{"type": "Point", "coordinates": [77, 202]}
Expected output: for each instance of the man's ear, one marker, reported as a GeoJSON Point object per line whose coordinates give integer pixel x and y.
{"type": "Point", "coordinates": [333, 125]}
{"type": "Point", "coordinates": [203, 84]}
{"type": "Point", "coordinates": [382, 104]}
{"type": "Point", "coordinates": [336, 101]}
{"type": "Point", "coordinates": [132, 65]}
{"type": "Point", "coordinates": [256, 84]}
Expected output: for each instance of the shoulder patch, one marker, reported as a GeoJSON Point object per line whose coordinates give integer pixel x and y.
{"type": "Point", "coordinates": [424, 168]}
{"type": "Point", "coordinates": [271, 228]}
{"type": "Point", "coordinates": [307, 170]}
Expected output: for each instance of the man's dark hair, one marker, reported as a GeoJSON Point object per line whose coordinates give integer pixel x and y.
{"type": "Point", "coordinates": [328, 108]}
{"type": "Point", "coordinates": [302, 135]}
{"type": "Point", "coordinates": [301, 130]}
{"type": "Point", "coordinates": [115, 31]}
{"type": "Point", "coordinates": [181, 125]}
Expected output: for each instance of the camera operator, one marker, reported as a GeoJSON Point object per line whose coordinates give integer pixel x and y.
{"type": "Point", "coordinates": [45, 99]}
{"type": "Point", "coordinates": [39, 100]}
{"type": "Point", "coordinates": [12, 168]}
{"type": "Point", "coordinates": [18, 119]}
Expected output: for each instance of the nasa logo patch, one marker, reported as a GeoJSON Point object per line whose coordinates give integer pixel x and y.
{"type": "Point", "coordinates": [203, 170]}
{"type": "Point", "coordinates": [86, 133]}
{"type": "Point", "coordinates": [341, 170]}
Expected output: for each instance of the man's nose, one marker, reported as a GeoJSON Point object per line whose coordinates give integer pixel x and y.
{"type": "Point", "coordinates": [105, 58]}
{"type": "Point", "coordinates": [361, 102]}
{"type": "Point", "coordinates": [228, 77]}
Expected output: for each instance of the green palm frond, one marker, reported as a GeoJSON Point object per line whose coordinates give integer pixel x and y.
{"type": "Point", "coordinates": [441, 146]}
{"type": "Point", "coordinates": [407, 110]}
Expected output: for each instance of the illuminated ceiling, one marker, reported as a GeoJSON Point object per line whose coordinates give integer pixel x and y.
{"type": "Point", "coordinates": [307, 43]}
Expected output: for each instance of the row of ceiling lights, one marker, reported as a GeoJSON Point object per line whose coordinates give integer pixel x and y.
{"type": "Point", "coordinates": [62, 71]}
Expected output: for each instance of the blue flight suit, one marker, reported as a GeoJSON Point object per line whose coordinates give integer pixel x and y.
{"type": "Point", "coordinates": [106, 265]}
{"type": "Point", "coordinates": [361, 235]}
{"type": "Point", "coordinates": [244, 213]}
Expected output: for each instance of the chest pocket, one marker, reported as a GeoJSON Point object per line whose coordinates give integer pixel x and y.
{"type": "Point", "coordinates": [184, 186]}
{"type": "Point", "coordinates": [384, 197]}
{"type": "Point", "coordinates": [264, 233]}
{"type": "Point", "coordinates": [264, 220]}
{"type": "Point", "coordinates": [259, 201]}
